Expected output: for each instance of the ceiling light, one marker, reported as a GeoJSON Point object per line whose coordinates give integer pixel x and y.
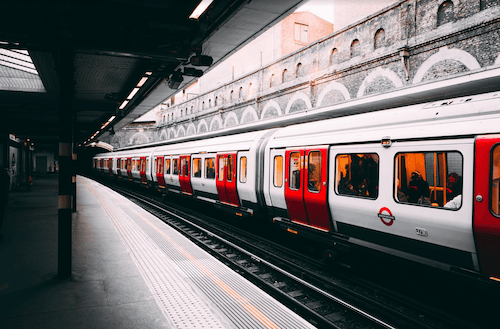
{"type": "Point", "coordinates": [142, 82]}
{"type": "Point", "coordinates": [112, 118]}
{"type": "Point", "coordinates": [132, 93]}
{"type": "Point", "coordinates": [200, 9]}
{"type": "Point", "coordinates": [125, 102]}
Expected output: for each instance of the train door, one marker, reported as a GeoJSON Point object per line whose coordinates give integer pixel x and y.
{"type": "Point", "coordinates": [184, 175]}
{"type": "Point", "coordinates": [226, 178]}
{"type": "Point", "coordinates": [129, 169]}
{"type": "Point", "coordinates": [102, 166]}
{"type": "Point", "coordinates": [110, 167]}
{"type": "Point", "coordinates": [276, 183]}
{"type": "Point", "coordinates": [305, 186]}
{"type": "Point", "coordinates": [487, 203]}
{"type": "Point", "coordinates": [142, 170]}
{"type": "Point", "coordinates": [159, 172]}
{"type": "Point", "coordinates": [119, 167]}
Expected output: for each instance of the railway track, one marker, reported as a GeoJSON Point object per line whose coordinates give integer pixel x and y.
{"type": "Point", "coordinates": [298, 281]}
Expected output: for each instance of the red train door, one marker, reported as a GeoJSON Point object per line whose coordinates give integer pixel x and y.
{"type": "Point", "coordinates": [129, 169]}
{"type": "Point", "coordinates": [110, 166]}
{"type": "Point", "coordinates": [159, 171]}
{"type": "Point", "coordinates": [226, 178]}
{"type": "Point", "coordinates": [220, 178]}
{"type": "Point", "coordinates": [486, 203]}
{"type": "Point", "coordinates": [118, 167]}
{"type": "Point", "coordinates": [294, 185]}
{"type": "Point", "coordinates": [184, 174]}
{"type": "Point", "coordinates": [142, 170]}
{"type": "Point", "coordinates": [306, 186]}
{"type": "Point", "coordinates": [315, 186]}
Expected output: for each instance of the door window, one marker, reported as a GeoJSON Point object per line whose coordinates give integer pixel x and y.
{"type": "Point", "coordinates": [357, 175]}
{"type": "Point", "coordinates": [429, 178]}
{"type": "Point", "coordinates": [314, 171]}
{"type": "Point", "coordinates": [176, 166]}
{"type": "Point", "coordinates": [167, 166]}
{"type": "Point", "coordinates": [278, 171]}
{"type": "Point", "coordinates": [210, 168]}
{"type": "Point", "coordinates": [295, 166]}
{"type": "Point", "coordinates": [243, 169]}
{"type": "Point", "coordinates": [221, 168]}
{"type": "Point", "coordinates": [495, 181]}
{"type": "Point", "coordinates": [230, 167]}
{"type": "Point", "coordinates": [196, 167]}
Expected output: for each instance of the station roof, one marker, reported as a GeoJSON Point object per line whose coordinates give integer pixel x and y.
{"type": "Point", "coordinates": [116, 43]}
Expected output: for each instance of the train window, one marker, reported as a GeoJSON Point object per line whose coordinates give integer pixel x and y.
{"type": "Point", "coordinates": [221, 167]}
{"type": "Point", "coordinates": [429, 178]}
{"type": "Point", "coordinates": [495, 181]}
{"type": "Point", "coordinates": [295, 170]}
{"type": "Point", "coordinates": [147, 164]}
{"type": "Point", "coordinates": [197, 167]}
{"type": "Point", "coordinates": [314, 171]}
{"type": "Point", "coordinates": [160, 166]}
{"type": "Point", "coordinates": [133, 164]}
{"type": "Point", "coordinates": [185, 167]}
{"type": "Point", "coordinates": [210, 168]}
{"type": "Point", "coordinates": [176, 167]}
{"type": "Point", "coordinates": [167, 166]}
{"type": "Point", "coordinates": [230, 167]}
{"type": "Point", "coordinates": [243, 169]}
{"type": "Point", "coordinates": [278, 171]}
{"type": "Point", "coordinates": [357, 175]}
{"type": "Point", "coordinates": [157, 169]}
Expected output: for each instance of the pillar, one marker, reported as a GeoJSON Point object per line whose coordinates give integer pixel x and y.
{"type": "Point", "coordinates": [66, 97]}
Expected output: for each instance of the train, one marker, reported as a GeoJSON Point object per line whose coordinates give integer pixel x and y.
{"type": "Point", "coordinates": [417, 182]}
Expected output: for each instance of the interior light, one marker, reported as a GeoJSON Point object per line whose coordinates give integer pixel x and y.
{"type": "Point", "coordinates": [132, 93]}
{"type": "Point", "coordinates": [125, 102]}
{"type": "Point", "coordinates": [112, 118]}
{"type": "Point", "coordinates": [149, 73]}
{"type": "Point", "coordinates": [142, 82]}
{"type": "Point", "coordinates": [200, 9]}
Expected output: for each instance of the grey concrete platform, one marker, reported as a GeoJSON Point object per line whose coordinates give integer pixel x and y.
{"type": "Point", "coordinates": [130, 270]}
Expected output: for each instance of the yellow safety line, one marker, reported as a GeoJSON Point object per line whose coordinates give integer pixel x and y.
{"type": "Point", "coordinates": [240, 299]}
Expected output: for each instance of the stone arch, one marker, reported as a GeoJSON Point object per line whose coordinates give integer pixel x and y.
{"type": "Point", "coordinates": [298, 97]}
{"type": "Point", "coordinates": [446, 54]}
{"type": "Point", "coordinates": [231, 120]}
{"type": "Point", "coordinates": [181, 132]}
{"type": "Point", "coordinates": [445, 13]}
{"type": "Point", "coordinates": [249, 115]}
{"type": "Point", "coordinates": [191, 130]}
{"type": "Point", "coordinates": [355, 48]}
{"type": "Point", "coordinates": [270, 109]}
{"type": "Point", "coordinates": [202, 126]}
{"type": "Point", "coordinates": [171, 133]}
{"type": "Point", "coordinates": [332, 87]}
{"type": "Point", "coordinates": [216, 123]}
{"type": "Point", "coordinates": [284, 76]}
{"type": "Point", "coordinates": [139, 138]}
{"type": "Point", "coordinates": [334, 56]}
{"type": "Point", "coordinates": [379, 39]}
{"type": "Point", "coordinates": [163, 134]}
{"type": "Point", "coordinates": [379, 73]}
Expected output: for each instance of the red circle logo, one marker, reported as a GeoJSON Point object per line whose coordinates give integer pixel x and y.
{"type": "Point", "coordinates": [387, 219]}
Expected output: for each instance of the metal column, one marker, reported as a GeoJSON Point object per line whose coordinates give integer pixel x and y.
{"type": "Point", "coordinates": [66, 80]}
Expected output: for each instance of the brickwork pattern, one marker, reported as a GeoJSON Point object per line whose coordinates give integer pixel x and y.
{"type": "Point", "coordinates": [467, 43]}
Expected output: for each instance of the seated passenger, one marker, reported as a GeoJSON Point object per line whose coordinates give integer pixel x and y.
{"type": "Point", "coordinates": [211, 173]}
{"type": "Point", "coordinates": [197, 174]}
{"type": "Point", "coordinates": [453, 186]}
{"type": "Point", "coordinates": [418, 188]}
{"type": "Point", "coordinates": [454, 203]}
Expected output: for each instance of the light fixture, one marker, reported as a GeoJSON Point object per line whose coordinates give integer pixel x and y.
{"type": "Point", "coordinates": [125, 102]}
{"type": "Point", "coordinates": [200, 9]}
{"type": "Point", "coordinates": [112, 118]}
{"type": "Point", "coordinates": [142, 82]}
{"type": "Point", "coordinates": [175, 80]}
{"type": "Point", "coordinates": [192, 72]}
{"type": "Point", "coordinates": [132, 93]}
{"type": "Point", "coordinates": [201, 60]}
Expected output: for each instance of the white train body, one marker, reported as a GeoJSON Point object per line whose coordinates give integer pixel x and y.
{"type": "Point", "coordinates": [419, 182]}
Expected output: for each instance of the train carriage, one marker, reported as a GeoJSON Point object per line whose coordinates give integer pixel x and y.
{"type": "Point", "coordinates": [378, 164]}
{"type": "Point", "coordinates": [419, 182]}
{"type": "Point", "coordinates": [220, 170]}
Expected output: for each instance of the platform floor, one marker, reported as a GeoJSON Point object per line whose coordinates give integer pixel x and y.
{"type": "Point", "coordinates": [129, 270]}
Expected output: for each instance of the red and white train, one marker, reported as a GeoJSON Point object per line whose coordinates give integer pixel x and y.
{"type": "Point", "coordinates": [419, 182]}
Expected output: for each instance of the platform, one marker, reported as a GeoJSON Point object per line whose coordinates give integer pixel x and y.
{"type": "Point", "coordinates": [130, 270]}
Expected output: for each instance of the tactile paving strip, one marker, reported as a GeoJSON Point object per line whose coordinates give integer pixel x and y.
{"type": "Point", "coordinates": [239, 301]}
